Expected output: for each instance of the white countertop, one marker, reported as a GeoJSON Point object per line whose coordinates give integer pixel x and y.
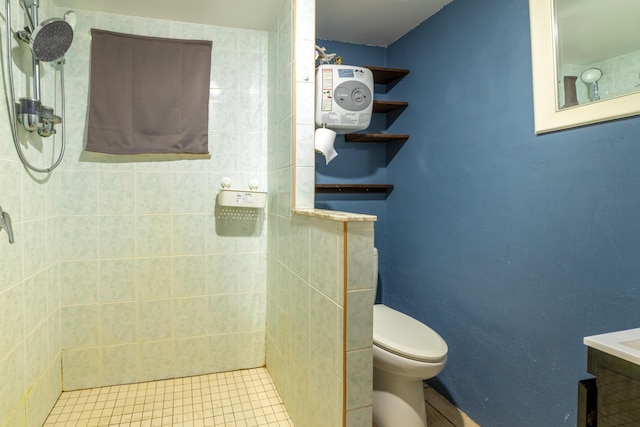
{"type": "Point", "coordinates": [623, 344]}
{"type": "Point", "coordinates": [336, 215]}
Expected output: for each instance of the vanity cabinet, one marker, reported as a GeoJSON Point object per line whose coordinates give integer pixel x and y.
{"type": "Point", "coordinates": [384, 79]}
{"type": "Point", "coordinates": [618, 383]}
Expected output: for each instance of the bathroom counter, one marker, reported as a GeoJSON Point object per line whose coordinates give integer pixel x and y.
{"type": "Point", "coordinates": [623, 344]}
{"type": "Point", "coordinates": [336, 215]}
{"type": "Point", "coordinates": [614, 359]}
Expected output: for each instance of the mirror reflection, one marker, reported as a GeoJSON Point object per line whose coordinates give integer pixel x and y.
{"type": "Point", "coordinates": [598, 50]}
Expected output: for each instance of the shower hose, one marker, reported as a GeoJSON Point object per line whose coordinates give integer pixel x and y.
{"type": "Point", "coordinates": [12, 107]}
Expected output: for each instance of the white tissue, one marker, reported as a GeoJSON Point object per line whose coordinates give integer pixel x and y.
{"type": "Point", "coordinates": [324, 143]}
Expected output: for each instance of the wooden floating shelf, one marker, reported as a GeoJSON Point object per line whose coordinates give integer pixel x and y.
{"type": "Point", "coordinates": [353, 188]}
{"type": "Point", "coordinates": [388, 106]}
{"type": "Point", "coordinates": [375, 137]}
{"type": "Point", "coordinates": [384, 76]}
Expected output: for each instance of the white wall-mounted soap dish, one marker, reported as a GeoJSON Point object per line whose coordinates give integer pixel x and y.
{"type": "Point", "coordinates": [251, 198]}
{"type": "Point", "coordinates": [242, 198]}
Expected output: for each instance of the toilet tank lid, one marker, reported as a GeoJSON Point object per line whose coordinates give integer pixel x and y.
{"type": "Point", "coordinates": [403, 335]}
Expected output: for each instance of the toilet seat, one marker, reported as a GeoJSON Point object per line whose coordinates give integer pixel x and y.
{"type": "Point", "coordinates": [405, 336]}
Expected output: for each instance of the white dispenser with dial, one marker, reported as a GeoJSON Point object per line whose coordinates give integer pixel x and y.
{"type": "Point", "coordinates": [344, 97]}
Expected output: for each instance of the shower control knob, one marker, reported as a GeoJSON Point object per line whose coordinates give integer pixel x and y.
{"type": "Point", "coordinates": [5, 223]}
{"type": "Point", "coordinates": [358, 96]}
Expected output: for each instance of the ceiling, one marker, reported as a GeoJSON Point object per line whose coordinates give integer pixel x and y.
{"type": "Point", "coordinates": [224, 13]}
{"type": "Point", "coordinates": [369, 22]}
{"type": "Point", "coordinates": [589, 24]}
{"type": "Point", "coordinates": [594, 30]}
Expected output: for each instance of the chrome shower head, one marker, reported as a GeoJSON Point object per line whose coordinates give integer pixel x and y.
{"type": "Point", "coordinates": [51, 40]}
{"type": "Point", "coordinates": [590, 77]}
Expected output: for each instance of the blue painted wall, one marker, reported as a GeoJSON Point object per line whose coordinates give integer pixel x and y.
{"type": "Point", "coordinates": [512, 246]}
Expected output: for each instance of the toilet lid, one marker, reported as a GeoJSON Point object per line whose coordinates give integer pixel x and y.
{"type": "Point", "coordinates": [405, 336]}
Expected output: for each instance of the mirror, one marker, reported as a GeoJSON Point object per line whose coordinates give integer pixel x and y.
{"type": "Point", "coordinates": [588, 51]}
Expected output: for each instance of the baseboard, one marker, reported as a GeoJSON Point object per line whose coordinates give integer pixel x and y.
{"type": "Point", "coordinates": [449, 412]}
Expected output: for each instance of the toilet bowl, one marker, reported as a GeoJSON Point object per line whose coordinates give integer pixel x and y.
{"type": "Point", "coordinates": [405, 352]}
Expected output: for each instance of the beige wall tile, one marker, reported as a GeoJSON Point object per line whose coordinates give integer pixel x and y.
{"type": "Point", "coordinates": [81, 367]}
{"type": "Point", "coordinates": [114, 371]}
{"type": "Point", "coordinates": [156, 360]}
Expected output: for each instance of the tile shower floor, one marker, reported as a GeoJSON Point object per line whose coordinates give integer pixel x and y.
{"type": "Point", "coordinates": [234, 399]}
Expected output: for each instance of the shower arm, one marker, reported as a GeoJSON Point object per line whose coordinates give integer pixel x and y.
{"type": "Point", "coordinates": [33, 5]}
{"type": "Point", "coordinates": [33, 18]}
{"type": "Point", "coordinates": [31, 10]}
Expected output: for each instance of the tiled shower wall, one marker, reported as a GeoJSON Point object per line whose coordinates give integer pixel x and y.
{"type": "Point", "coordinates": [307, 351]}
{"type": "Point", "coordinates": [29, 282]}
{"type": "Point", "coordinates": [620, 75]}
{"type": "Point", "coordinates": [157, 280]}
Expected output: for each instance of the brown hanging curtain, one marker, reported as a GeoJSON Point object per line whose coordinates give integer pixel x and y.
{"type": "Point", "coordinates": [148, 94]}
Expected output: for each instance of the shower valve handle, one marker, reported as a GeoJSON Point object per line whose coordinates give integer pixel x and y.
{"type": "Point", "coordinates": [5, 222]}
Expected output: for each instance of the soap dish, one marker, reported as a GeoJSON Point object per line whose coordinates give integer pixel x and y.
{"type": "Point", "coordinates": [242, 199]}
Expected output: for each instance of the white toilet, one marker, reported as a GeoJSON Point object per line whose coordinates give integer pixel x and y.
{"type": "Point", "coordinates": [405, 352]}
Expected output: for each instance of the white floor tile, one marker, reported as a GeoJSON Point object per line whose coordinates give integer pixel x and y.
{"type": "Point", "coordinates": [240, 398]}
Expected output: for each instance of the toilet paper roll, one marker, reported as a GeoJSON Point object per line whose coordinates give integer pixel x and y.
{"type": "Point", "coordinates": [324, 143]}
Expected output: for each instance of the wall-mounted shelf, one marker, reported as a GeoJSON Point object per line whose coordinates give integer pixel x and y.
{"type": "Point", "coordinates": [375, 137]}
{"type": "Point", "coordinates": [388, 106]}
{"type": "Point", "coordinates": [387, 76]}
{"type": "Point", "coordinates": [384, 78]}
{"type": "Point", "coordinates": [354, 188]}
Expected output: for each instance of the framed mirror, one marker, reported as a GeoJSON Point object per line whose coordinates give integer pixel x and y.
{"type": "Point", "coordinates": [584, 46]}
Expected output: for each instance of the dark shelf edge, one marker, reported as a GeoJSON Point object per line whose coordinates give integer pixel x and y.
{"type": "Point", "coordinates": [384, 75]}
{"type": "Point", "coordinates": [380, 106]}
{"type": "Point", "coordinates": [354, 188]}
{"type": "Point", "coordinates": [375, 137]}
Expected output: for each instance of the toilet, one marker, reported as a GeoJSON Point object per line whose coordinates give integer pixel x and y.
{"type": "Point", "coordinates": [405, 352]}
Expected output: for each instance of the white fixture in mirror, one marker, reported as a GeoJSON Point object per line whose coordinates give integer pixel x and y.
{"type": "Point", "coordinates": [565, 44]}
{"type": "Point", "coordinates": [590, 77]}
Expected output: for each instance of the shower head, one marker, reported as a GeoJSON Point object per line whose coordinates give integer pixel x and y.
{"type": "Point", "coordinates": [591, 75]}
{"type": "Point", "coordinates": [51, 40]}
